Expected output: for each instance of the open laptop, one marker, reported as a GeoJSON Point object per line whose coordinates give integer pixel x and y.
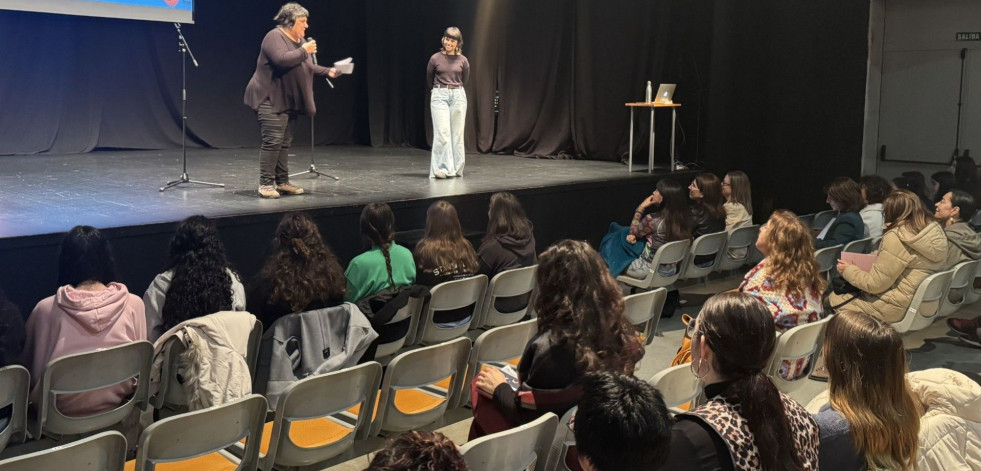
{"type": "Point", "coordinates": [665, 93]}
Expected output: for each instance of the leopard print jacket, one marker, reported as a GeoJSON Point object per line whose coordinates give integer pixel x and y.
{"type": "Point", "coordinates": [725, 418]}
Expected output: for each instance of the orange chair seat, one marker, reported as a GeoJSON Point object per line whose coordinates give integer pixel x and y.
{"type": "Point", "coordinates": [311, 433]}
{"type": "Point", "coordinates": [209, 462]}
{"type": "Point", "coordinates": [412, 401]}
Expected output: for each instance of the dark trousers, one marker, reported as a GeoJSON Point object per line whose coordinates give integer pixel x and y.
{"type": "Point", "coordinates": [277, 136]}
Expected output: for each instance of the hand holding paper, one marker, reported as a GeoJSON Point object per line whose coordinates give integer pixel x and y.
{"type": "Point", "coordinates": [345, 66]}
{"type": "Point", "coordinates": [863, 261]}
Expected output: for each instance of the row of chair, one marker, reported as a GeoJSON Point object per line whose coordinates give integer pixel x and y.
{"type": "Point", "coordinates": [318, 417]}
{"type": "Point", "coordinates": [731, 250]}
{"type": "Point", "coordinates": [473, 291]}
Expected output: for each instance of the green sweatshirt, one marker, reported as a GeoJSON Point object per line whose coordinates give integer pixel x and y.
{"type": "Point", "coordinates": [367, 274]}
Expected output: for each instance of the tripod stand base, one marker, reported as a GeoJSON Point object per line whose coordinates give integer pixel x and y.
{"type": "Point", "coordinates": [313, 170]}
{"type": "Point", "coordinates": [185, 179]}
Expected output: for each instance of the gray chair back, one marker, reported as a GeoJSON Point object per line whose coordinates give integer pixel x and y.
{"type": "Point", "coordinates": [102, 452]}
{"type": "Point", "coordinates": [508, 283]}
{"type": "Point", "coordinates": [90, 371]}
{"type": "Point", "coordinates": [15, 383]}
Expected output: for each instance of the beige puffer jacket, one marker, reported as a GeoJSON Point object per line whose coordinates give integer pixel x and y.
{"type": "Point", "coordinates": [950, 429]}
{"type": "Point", "coordinates": [903, 261]}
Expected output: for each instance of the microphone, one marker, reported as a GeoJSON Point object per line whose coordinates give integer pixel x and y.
{"type": "Point", "coordinates": [314, 56]}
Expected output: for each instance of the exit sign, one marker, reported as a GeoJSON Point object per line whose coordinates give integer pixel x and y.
{"type": "Point", "coordinates": [969, 36]}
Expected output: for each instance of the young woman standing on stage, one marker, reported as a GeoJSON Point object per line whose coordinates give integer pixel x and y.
{"type": "Point", "coordinates": [281, 88]}
{"type": "Point", "coordinates": [446, 73]}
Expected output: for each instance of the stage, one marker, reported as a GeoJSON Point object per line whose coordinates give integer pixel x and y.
{"type": "Point", "coordinates": [42, 196]}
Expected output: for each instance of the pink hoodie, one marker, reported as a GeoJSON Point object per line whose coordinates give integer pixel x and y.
{"type": "Point", "coordinates": [75, 321]}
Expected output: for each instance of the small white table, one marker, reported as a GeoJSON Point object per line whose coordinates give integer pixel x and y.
{"type": "Point", "coordinates": [650, 152]}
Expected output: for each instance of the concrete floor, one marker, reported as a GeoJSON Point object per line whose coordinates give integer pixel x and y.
{"type": "Point", "coordinates": [932, 347]}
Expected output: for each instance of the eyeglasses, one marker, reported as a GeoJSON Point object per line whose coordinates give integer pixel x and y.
{"type": "Point", "coordinates": [726, 184]}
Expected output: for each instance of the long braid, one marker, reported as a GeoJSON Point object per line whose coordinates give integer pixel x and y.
{"type": "Point", "coordinates": [388, 264]}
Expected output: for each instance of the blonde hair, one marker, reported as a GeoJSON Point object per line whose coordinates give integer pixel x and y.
{"type": "Point", "coordinates": [867, 368]}
{"type": "Point", "coordinates": [903, 209]}
{"type": "Point", "coordinates": [740, 190]}
{"type": "Point", "coordinates": [791, 262]}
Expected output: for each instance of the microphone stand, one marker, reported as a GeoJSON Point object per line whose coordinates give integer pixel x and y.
{"type": "Point", "coordinates": [313, 164]}
{"type": "Point", "coordinates": [960, 100]}
{"type": "Point", "coordinates": [185, 51]}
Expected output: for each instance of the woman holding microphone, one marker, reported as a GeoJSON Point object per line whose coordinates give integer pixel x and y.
{"type": "Point", "coordinates": [281, 88]}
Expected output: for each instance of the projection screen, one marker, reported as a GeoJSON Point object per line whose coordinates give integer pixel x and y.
{"type": "Point", "coordinates": [179, 11]}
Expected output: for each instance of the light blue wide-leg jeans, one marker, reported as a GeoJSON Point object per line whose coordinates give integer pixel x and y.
{"type": "Point", "coordinates": [449, 110]}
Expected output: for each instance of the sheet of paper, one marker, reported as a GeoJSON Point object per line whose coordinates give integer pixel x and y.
{"type": "Point", "coordinates": [860, 260]}
{"type": "Point", "coordinates": [511, 375]}
{"type": "Point", "coordinates": [824, 232]}
{"type": "Point", "coordinates": [345, 66]}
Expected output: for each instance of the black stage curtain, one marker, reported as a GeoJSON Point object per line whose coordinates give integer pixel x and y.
{"type": "Point", "coordinates": [561, 71]}
{"type": "Point", "coordinates": [772, 87]}
{"type": "Point", "coordinates": [787, 97]}
{"type": "Point", "coordinates": [73, 84]}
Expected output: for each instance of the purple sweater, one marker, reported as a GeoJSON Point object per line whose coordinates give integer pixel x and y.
{"type": "Point", "coordinates": [283, 75]}
{"type": "Point", "coordinates": [447, 70]}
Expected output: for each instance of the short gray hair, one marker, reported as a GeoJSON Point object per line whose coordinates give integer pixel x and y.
{"type": "Point", "coordinates": [289, 13]}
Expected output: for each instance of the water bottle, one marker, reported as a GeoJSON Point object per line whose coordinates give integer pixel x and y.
{"type": "Point", "coordinates": [648, 91]}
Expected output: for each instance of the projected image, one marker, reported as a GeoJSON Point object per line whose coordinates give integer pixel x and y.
{"type": "Point", "coordinates": [180, 11]}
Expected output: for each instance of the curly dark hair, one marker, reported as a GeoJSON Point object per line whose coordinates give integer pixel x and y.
{"type": "Point", "coordinates": [418, 451]}
{"type": "Point", "coordinates": [201, 283]}
{"type": "Point", "coordinates": [302, 267]}
{"type": "Point", "coordinates": [581, 306]}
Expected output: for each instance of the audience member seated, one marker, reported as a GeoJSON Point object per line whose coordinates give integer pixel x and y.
{"type": "Point", "coordinates": [953, 211]}
{"type": "Point", "coordinates": [508, 244]}
{"type": "Point", "coordinates": [874, 190]}
{"type": "Point", "coordinates": [12, 332]}
{"type": "Point", "coordinates": [444, 255]}
{"type": "Point", "coordinates": [963, 244]}
{"type": "Point", "coordinates": [940, 183]}
{"type": "Point", "coordinates": [385, 265]}
{"type": "Point", "coordinates": [845, 197]}
{"type": "Point", "coordinates": [966, 176]}
{"type": "Point", "coordinates": [916, 182]}
{"type": "Point", "coordinates": [708, 211]}
{"type": "Point", "coordinates": [670, 221]}
{"type": "Point", "coordinates": [622, 424]}
{"type": "Point", "coordinates": [419, 451]}
{"type": "Point", "coordinates": [302, 274]}
{"type": "Point", "coordinates": [198, 281]}
{"type": "Point", "coordinates": [873, 419]}
{"type": "Point", "coordinates": [90, 311]}
{"type": "Point", "coordinates": [746, 423]}
{"type": "Point", "coordinates": [581, 329]}
{"type": "Point", "coordinates": [788, 280]}
{"type": "Point", "coordinates": [380, 280]}
{"type": "Point", "coordinates": [739, 201]}
{"type": "Point", "coordinates": [913, 247]}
